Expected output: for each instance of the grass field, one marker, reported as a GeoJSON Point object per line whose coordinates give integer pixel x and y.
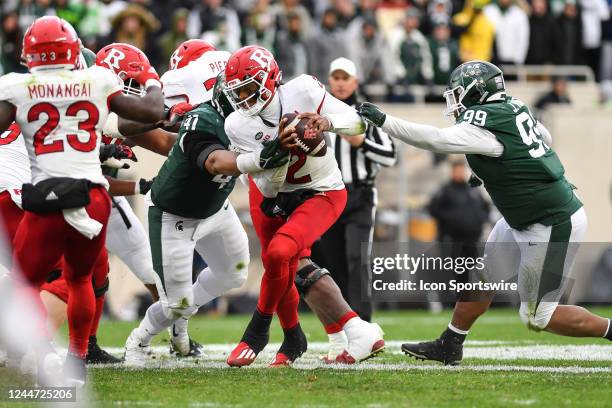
{"type": "Point", "coordinates": [504, 366]}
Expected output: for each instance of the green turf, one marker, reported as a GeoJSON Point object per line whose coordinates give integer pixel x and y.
{"type": "Point", "coordinates": [322, 387]}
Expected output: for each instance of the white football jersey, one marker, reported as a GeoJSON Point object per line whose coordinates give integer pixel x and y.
{"type": "Point", "coordinates": [61, 114]}
{"type": "Point", "coordinates": [194, 83]}
{"type": "Point", "coordinates": [14, 163]}
{"type": "Point", "coordinates": [302, 94]}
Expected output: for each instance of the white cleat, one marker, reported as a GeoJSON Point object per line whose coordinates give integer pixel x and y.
{"type": "Point", "coordinates": [338, 342]}
{"type": "Point", "coordinates": [136, 355]}
{"type": "Point", "coordinates": [365, 340]}
{"type": "Point", "coordinates": [50, 370]}
{"type": "Point", "coordinates": [179, 341]}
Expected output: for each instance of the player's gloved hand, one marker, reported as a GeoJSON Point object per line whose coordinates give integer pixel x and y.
{"type": "Point", "coordinates": [143, 74]}
{"type": "Point", "coordinates": [143, 186]}
{"type": "Point", "coordinates": [272, 155]}
{"type": "Point", "coordinates": [111, 154]}
{"type": "Point", "coordinates": [372, 114]}
{"type": "Point", "coordinates": [474, 181]}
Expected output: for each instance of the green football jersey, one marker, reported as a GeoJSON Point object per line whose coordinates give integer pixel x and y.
{"type": "Point", "coordinates": [527, 182]}
{"type": "Point", "coordinates": [182, 188]}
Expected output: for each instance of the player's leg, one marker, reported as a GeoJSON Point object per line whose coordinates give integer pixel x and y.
{"type": "Point", "coordinates": [550, 261]}
{"type": "Point", "coordinates": [80, 256]}
{"type": "Point", "coordinates": [127, 239]}
{"type": "Point", "coordinates": [502, 258]}
{"type": "Point", "coordinates": [172, 248]}
{"type": "Point", "coordinates": [222, 242]}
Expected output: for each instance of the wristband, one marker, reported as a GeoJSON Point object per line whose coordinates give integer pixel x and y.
{"type": "Point", "coordinates": [137, 187]}
{"type": "Point", "coordinates": [248, 163]}
{"type": "Point", "coordinates": [111, 126]}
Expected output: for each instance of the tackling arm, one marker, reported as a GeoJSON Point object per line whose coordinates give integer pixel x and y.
{"type": "Point", "coordinates": [146, 109]}
{"type": "Point", "coordinates": [7, 115]}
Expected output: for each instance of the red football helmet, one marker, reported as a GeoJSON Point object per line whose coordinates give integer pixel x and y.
{"type": "Point", "coordinates": [188, 51]}
{"type": "Point", "coordinates": [122, 58]}
{"type": "Point", "coordinates": [50, 42]}
{"type": "Point", "coordinates": [252, 76]}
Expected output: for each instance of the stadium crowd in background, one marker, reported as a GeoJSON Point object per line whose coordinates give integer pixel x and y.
{"type": "Point", "coordinates": [393, 42]}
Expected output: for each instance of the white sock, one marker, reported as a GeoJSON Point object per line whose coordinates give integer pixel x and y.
{"type": "Point", "coordinates": [154, 322]}
{"type": "Point", "coordinates": [337, 338]}
{"type": "Point", "coordinates": [458, 331]}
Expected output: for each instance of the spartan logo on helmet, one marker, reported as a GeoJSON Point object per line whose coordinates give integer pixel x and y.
{"type": "Point", "coordinates": [473, 83]}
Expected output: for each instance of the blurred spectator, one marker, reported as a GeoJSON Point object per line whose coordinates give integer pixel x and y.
{"type": "Point", "coordinates": [177, 34]}
{"type": "Point", "coordinates": [477, 32]}
{"type": "Point", "coordinates": [327, 44]}
{"type": "Point", "coordinates": [606, 49]}
{"type": "Point", "coordinates": [542, 35]}
{"type": "Point", "coordinates": [411, 50]}
{"type": "Point", "coordinates": [216, 24]}
{"type": "Point", "coordinates": [569, 35]}
{"type": "Point", "coordinates": [444, 52]}
{"type": "Point", "coordinates": [136, 25]}
{"type": "Point", "coordinates": [30, 10]}
{"type": "Point", "coordinates": [260, 25]}
{"type": "Point", "coordinates": [345, 10]}
{"type": "Point", "coordinates": [10, 43]}
{"type": "Point", "coordinates": [389, 14]}
{"type": "Point", "coordinates": [70, 11]}
{"type": "Point", "coordinates": [92, 23]}
{"type": "Point", "coordinates": [290, 49]}
{"type": "Point", "coordinates": [109, 10]}
{"type": "Point", "coordinates": [282, 10]}
{"type": "Point", "coordinates": [511, 31]}
{"type": "Point", "coordinates": [438, 11]}
{"type": "Point", "coordinates": [594, 12]}
{"type": "Point", "coordinates": [557, 95]}
{"type": "Point", "coordinates": [370, 52]}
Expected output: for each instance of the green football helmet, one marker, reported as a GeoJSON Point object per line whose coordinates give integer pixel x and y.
{"type": "Point", "coordinates": [219, 100]}
{"type": "Point", "coordinates": [473, 83]}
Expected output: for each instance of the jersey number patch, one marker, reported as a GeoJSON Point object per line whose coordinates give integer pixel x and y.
{"type": "Point", "coordinates": [530, 134]}
{"type": "Point", "coordinates": [53, 119]}
{"type": "Point", "coordinates": [477, 118]}
{"type": "Point", "coordinates": [294, 167]}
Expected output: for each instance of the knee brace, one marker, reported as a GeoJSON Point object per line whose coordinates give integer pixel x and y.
{"type": "Point", "coordinates": [537, 320]}
{"type": "Point", "coordinates": [306, 277]}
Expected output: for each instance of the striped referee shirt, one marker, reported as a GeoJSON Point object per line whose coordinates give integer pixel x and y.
{"type": "Point", "coordinates": [360, 165]}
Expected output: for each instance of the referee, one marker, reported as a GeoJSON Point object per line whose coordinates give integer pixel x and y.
{"type": "Point", "coordinates": [359, 159]}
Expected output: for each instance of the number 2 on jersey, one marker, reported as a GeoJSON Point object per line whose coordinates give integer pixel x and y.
{"type": "Point", "coordinates": [53, 120]}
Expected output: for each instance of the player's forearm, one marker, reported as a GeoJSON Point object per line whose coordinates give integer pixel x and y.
{"type": "Point", "coordinates": [448, 140]}
{"type": "Point", "coordinates": [157, 140]}
{"type": "Point", "coordinates": [120, 187]}
{"type": "Point", "coordinates": [343, 118]}
{"type": "Point", "coordinates": [131, 128]}
{"type": "Point", "coordinates": [222, 162]}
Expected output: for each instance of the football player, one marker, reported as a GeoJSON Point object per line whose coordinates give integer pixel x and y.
{"type": "Point", "coordinates": [308, 190]}
{"type": "Point", "coordinates": [61, 112]}
{"type": "Point", "coordinates": [543, 219]}
{"type": "Point", "coordinates": [189, 207]}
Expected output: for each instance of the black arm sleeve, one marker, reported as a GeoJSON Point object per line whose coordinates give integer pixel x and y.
{"type": "Point", "coordinates": [198, 145]}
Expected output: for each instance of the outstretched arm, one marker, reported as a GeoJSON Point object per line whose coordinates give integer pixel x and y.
{"type": "Point", "coordinates": [146, 109]}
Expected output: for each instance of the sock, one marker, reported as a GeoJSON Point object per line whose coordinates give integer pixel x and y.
{"type": "Point", "coordinates": [294, 342]}
{"type": "Point", "coordinates": [338, 337]}
{"type": "Point", "coordinates": [97, 315]}
{"type": "Point", "coordinates": [81, 310]}
{"type": "Point", "coordinates": [454, 334]}
{"type": "Point", "coordinates": [154, 322]}
{"type": "Point", "coordinates": [608, 334]}
{"type": "Point", "coordinates": [332, 328]}
{"type": "Point", "coordinates": [346, 318]}
{"type": "Point", "coordinates": [287, 309]}
{"type": "Point", "coordinates": [257, 332]}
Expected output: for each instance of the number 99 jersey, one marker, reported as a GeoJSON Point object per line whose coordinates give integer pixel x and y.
{"type": "Point", "coordinates": [527, 182]}
{"type": "Point", "coordinates": [61, 114]}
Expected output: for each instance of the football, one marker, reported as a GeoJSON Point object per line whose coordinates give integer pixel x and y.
{"type": "Point", "coordinates": [308, 141]}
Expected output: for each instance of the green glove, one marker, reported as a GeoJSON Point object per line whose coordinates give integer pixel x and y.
{"type": "Point", "coordinates": [272, 155]}
{"type": "Point", "coordinates": [372, 114]}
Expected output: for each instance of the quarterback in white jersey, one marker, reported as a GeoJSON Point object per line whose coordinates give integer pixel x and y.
{"type": "Point", "coordinates": [309, 192]}
{"type": "Point", "coordinates": [61, 112]}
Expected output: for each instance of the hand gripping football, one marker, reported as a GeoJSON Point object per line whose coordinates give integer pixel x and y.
{"type": "Point", "coordinates": [308, 141]}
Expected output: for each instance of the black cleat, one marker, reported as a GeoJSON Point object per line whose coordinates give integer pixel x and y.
{"type": "Point", "coordinates": [75, 371]}
{"type": "Point", "coordinates": [195, 349]}
{"type": "Point", "coordinates": [95, 355]}
{"type": "Point", "coordinates": [443, 350]}
{"type": "Point", "coordinates": [292, 348]}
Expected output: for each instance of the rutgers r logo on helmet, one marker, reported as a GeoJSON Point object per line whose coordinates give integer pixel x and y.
{"type": "Point", "coordinates": [113, 58]}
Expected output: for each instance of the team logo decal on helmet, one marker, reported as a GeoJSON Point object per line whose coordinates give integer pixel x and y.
{"type": "Point", "coordinates": [122, 58]}
{"type": "Point", "coordinates": [189, 51]}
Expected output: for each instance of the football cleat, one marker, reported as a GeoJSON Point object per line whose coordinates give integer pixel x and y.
{"type": "Point", "coordinates": [242, 355]}
{"type": "Point", "coordinates": [195, 350]}
{"type": "Point", "coordinates": [442, 350]}
{"type": "Point", "coordinates": [49, 370]}
{"type": "Point", "coordinates": [363, 344]}
{"type": "Point", "coordinates": [75, 371]}
{"type": "Point", "coordinates": [292, 348]}
{"type": "Point", "coordinates": [136, 355]}
{"type": "Point", "coordinates": [95, 355]}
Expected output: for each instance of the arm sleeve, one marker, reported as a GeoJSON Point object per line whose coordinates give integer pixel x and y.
{"type": "Point", "coordinates": [379, 147]}
{"type": "Point", "coordinates": [6, 88]}
{"type": "Point", "coordinates": [462, 138]}
{"type": "Point", "coordinates": [197, 146]}
{"type": "Point", "coordinates": [546, 136]}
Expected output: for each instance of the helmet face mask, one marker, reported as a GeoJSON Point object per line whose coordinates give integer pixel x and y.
{"type": "Point", "coordinates": [249, 97]}
{"type": "Point", "coordinates": [219, 99]}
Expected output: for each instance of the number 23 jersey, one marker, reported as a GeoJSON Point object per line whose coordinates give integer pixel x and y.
{"type": "Point", "coordinates": [61, 114]}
